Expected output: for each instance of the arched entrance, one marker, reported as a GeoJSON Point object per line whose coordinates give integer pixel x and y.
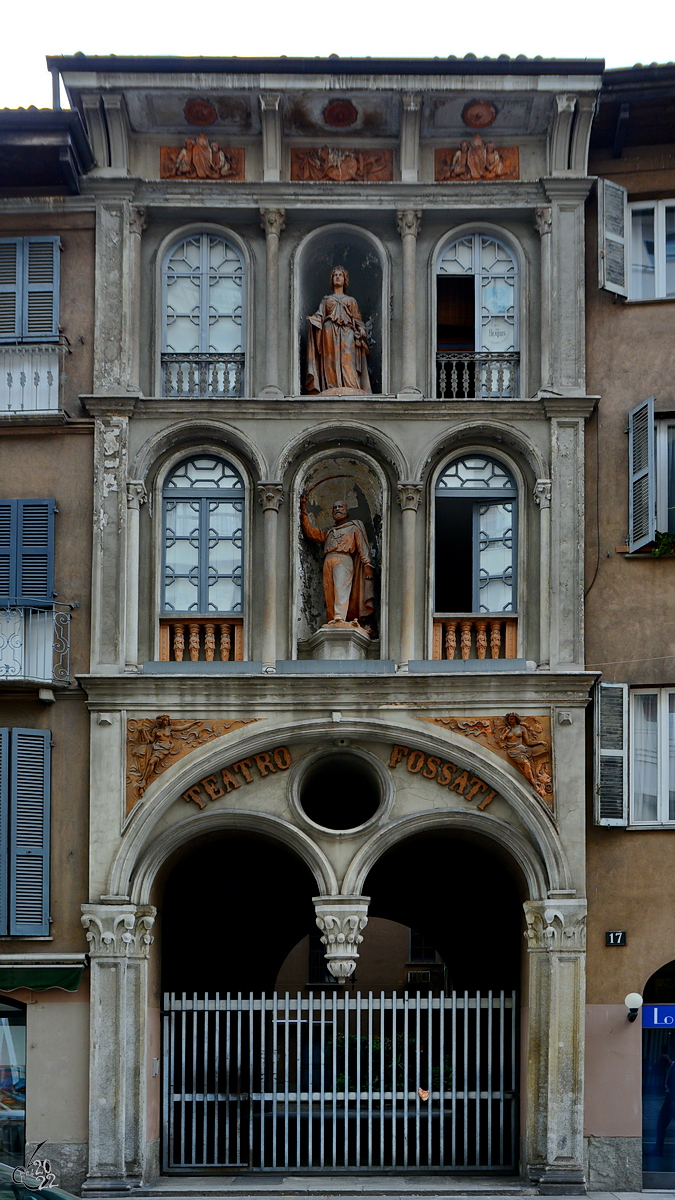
{"type": "Point", "coordinates": [658, 1079]}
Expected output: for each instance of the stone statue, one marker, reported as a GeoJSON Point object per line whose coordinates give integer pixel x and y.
{"type": "Point", "coordinates": [347, 569]}
{"type": "Point", "coordinates": [337, 344]}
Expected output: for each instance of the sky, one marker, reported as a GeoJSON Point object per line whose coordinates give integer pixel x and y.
{"type": "Point", "coordinates": [381, 28]}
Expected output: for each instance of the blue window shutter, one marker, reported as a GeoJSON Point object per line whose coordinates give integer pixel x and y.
{"type": "Point", "coordinates": [4, 821]}
{"type": "Point", "coordinates": [11, 277]}
{"type": "Point", "coordinates": [641, 475]}
{"type": "Point", "coordinates": [29, 832]}
{"type": "Point", "coordinates": [8, 511]}
{"type": "Point", "coordinates": [40, 317]}
{"type": "Point", "coordinates": [35, 552]}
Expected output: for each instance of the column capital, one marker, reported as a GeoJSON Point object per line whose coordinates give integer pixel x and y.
{"type": "Point", "coordinates": [136, 493]}
{"type": "Point", "coordinates": [409, 494]}
{"type": "Point", "coordinates": [273, 221]}
{"type": "Point", "coordinates": [138, 219]}
{"type": "Point", "coordinates": [270, 101]}
{"type": "Point", "coordinates": [341, 920]}
{"type": "Point", "coordinates": [543, 219]}
{"type": "Point", "coordinates": [555, 924]}
{"type": "Point", "coordinates": [542, 493]}
{"type": "Point", "coordinates": [118, 930]}
{"type": "Point", "coordinates": [409, 222]}
{"type": "Point", "coordinates": [271, 495]}
{"type": "Point", "coordinates": [412, 101]}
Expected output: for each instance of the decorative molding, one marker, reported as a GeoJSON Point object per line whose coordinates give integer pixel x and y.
{"type": "Point", "coordinates": [478, 114]}
{"type": "Point", "coordinates": [273, 221]}
{"type": "Point", "coordinates": [156, 743]}
{"type": "Point", "coordinates": [341, 920]}
{"type": "Point", "coordinates": [118, 931]}
{"type": "Point", "coordinates": [328, 164]}
{"type": "Point", "coordinates": [475, 161]}
{"type": "Point", "coordinates": [271, 495]}
{"type": "Point", "coordinates": [555, 924]}
{"type": "Point", "coordinates": [543, 219]}
{"type": "Point", "coordinates": [409, 495]}
{"type": "Point", "coordinates": [136, 493]}
{"type": "Point", "coordinates": [525, 742]}
{"type": "Point", "coordinates": [409, 222]}
{"type": "Point", "coordinates": [138, 220]}
{"type": "Point", "coordinates": [542, 493]}
{"type": "Point", "coordinates": [198, 158]}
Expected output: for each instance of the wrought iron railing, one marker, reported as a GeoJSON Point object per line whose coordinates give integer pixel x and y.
{"type": "Point", "coordinates": [201, 639]}
{"type": "Point", "coordinates": [35, 644]}
{"type": "Point", "coordinates": [202, 376]}
{"type": "Point", "coordinates": [476, 375]}
{"type": "Point", "coordinates": [485, 636]}
{"type": "Point", "coordinates": [30, 378]}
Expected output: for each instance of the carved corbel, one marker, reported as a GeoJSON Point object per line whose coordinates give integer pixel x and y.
{"type": "Point", "coordinates": [136, 493]}
{"type": "Point", "coordinates": [341, 920]}
{"type": "Point", "coordinates": [409, 494]}
{"type": "Point", "coordinates": [271, 495]}
{"type": "Point", "coordinates": [118, 930]}
{"type": "Point", "coordinates": [555, 925]}
{"type": "Point", "coordinates": [542, 493]}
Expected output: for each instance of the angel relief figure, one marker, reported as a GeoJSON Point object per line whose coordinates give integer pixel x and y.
{"type": "Point", "coordinates": [155, 744]}
{"type": "Point", "coordinates": [519, 737]}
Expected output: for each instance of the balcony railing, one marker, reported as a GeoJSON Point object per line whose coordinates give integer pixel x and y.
{"type": "Point", "coordinates": [202, 376]}
{"type": "Point", "coordinates": [35, 644]}
{"type": "Point", "coordinates": [30, 378]}
{"type": "Point", "coordinates": [474, 375]}
{"type": "Point", "coordinates": [201, 639]}
{"type": "Point", "coordinates": [465, 637]}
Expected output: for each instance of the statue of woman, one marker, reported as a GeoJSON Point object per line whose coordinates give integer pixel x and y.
{"type": "Point", "coordinates": [337, 344]}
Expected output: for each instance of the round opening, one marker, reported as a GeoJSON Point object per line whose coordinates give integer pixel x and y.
{"type": "Point", "coordinates": [340, 791]}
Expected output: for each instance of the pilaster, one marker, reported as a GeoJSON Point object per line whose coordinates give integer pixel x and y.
{"type": "Point", "coordinates": [565, 298]}
{"type": "Point", "coordinates": [566, 541]}
{"type": "Point", "coordinates": [410, 137]}
{"type": "Point", "coordinates": [119, 224]}
{"type": "Point", "coordinates": [409, 496]}
{"type": "Point", "coordinates": [270, 495]}
{"type": "Point", "coordinates": [270, 108]}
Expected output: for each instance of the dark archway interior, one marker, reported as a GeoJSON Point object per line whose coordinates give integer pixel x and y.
{"type": "Point", "coordinates": [660, 987]}
{"type": "Point", "coordinates": [254, 898]}
{"type": "Point", "coordinates": [340, 791]}
{"type": "Point", "coordinates": [462, 899]}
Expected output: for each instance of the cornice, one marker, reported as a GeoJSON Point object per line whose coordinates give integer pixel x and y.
{"type": "Point", "coordinates": [254, 408]}
{"type": "Point", "coordinates": [47, 205]}
{"type": "Point", "coordinates": [568, 187]}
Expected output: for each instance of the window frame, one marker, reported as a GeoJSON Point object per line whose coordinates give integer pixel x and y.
{"type": "Point", "coordinates": [662, 800]}
{"type": "Point", "coordinates": [658, 207]}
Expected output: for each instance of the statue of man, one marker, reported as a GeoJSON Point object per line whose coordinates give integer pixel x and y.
{"type": "Point", "coordinates": [347, 569]}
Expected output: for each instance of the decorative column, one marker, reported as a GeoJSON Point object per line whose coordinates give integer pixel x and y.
{"type": "Point", "coordinates": [556, 940]}
{"type": "Point", "coordinates": [341, 920]}
{"type": "Point", "coordinates": [542, 497]}
{"type": "Point", "coordinates": [136, 496]}
{"type": "Point", "coordinates": [119, 944]}
{"type": "Point", "coordinates": [409, 496]}
{"type": "Point", "coordinates": [408, 224]}
{"type": "Point", "coordinates": [270, 495]}
{"type": "Point", "coordinates": [542, 224]}
{"type": "Point", "coordinates": [273, 222]}
{"type": "Point", "coordinates": [119, 224]}
{"type": "Point", "coordinates": [270, 115]}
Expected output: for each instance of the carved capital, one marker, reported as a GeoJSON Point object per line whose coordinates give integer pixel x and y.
{"type": "Point", "coordinates": [565, 103]}
{"type": "Point", "coordinates": [271, 495]}
{"type": "Point", "coordinates": [542, 493]}
{"type": "Point", "coordinates": [270, 101]}
{"type": "Point", "coordinates": [412, 101]}
{"type": "Point", "coordinates": [138, 220]}
{"type": "Point", "coordinates": [341, 920]}
{"type": "Point", "coordinates": [409, 495]}
{"type": "Point", "coordinates": [136, 493]}
{"type": "Point", "coordinates": [555, 925]}
{"type": "Point", "coordinates": [542, 219]}
{"type": "Point", "coordinates": [118, 930]}
{"type": "Point", "coordinates": [409, 222]}
{"type": "Point", "coordinates": [273, 221]}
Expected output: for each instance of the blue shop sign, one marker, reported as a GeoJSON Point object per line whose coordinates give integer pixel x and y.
{"type": "Point", "coordinates": [658, 1016]}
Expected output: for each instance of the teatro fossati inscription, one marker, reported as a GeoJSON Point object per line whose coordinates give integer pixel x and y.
{"type": "Point", "coordinates": [444, 773]}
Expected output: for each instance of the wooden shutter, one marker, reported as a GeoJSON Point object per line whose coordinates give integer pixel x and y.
{"type": "Point", "coordinates": [11, 262]}
{"type": "Point", "coordinates": [41, 289]}
{"type": "Point", "coordinates": [7, 549]}
{"type": "Point", "coordinates": [641, 475]}
{"type": "Point", "coordinates": [4, 815]}
{"type": "Point", "coordinates": [612, 237]}
{"type": "Point", "coordinates": [611, 754]}
{"type": "Point", "coordinates": [29, 833]}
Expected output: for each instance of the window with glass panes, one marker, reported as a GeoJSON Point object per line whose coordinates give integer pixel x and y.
{"type": "Point", "coordinates": [652, 760]}
{"type": "Point", "coordinates": [652, 250]}
{"type": "Point", "coordinates": [476, 502]}
{"type": "Point", "coordinates": [203, 516]}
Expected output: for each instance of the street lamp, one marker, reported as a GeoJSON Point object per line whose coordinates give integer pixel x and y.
{"type": "Point", "coordinates": [633, 1003]}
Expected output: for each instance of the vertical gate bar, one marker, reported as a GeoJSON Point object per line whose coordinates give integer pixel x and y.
{"type": "Point", "coordinates": [357, 1023]}
{"type": "Point", "coordinates": [275, 1062]}
{"type": "Point", "coordinates": [322, 1082]}
{"type": "Point", "coordinates": [406, 1081]}
{"type": "Point", "coordinates": [263, 1079]}
{"type": "Point", "coordinates": [167, 1080]}
{"type": "Point", "coordinates": [513, 1077]}
{"type": "Point", "coordinates": [502, 1012]}
{"type": "Point", "coordinates": [194, 1079]}
{"type": "Point", "coordinates": [393, 1079]}
{"type": "Point", "coordinates": [465, 1081]}
{"type": "Point", "coordinates": [205, 1069]}
{"type": "Point", "coordinates": [382, 1039]}
{"type": "Point", "coordinates": [298, 1038]}
{"type": "Point", "coordinates": [345, 1140]}
{"type": "Point", "coordinates": [418, 1034]}
{"type": "Point", "coordinates": [228, 1073]}
{"type": "Point", "coordinates": [287, 1007]}
{"type": "Point", "coordinates": [479, 1012]}
{"type": "Point", "coordinates": [216, 1075]}
{"type": "Point", "coordinates": [453, 1062]}
{"type": "Point", "coordinates": [334, 1079]}
{"type": "Point", "coordinates": [370, 1079]}
{"type": "Point", "coordinates": [250, 1080]}
{"type": "Point", "coordinates": [310, 1078]}
{"type": "Point", "coordinates": [183, 1113]}
{"type": "Point", "coordinates": [430, 1079]}
{"type": "Point", "coordinates": [239, 1018]}
{"type": "Point", "coordinates": [489, 1080]}
{"type": "Point", "coordinates": [441, 1078]}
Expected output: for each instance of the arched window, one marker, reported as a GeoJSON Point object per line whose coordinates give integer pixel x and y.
{"type": "Point", "coordinates": [475, 537]}
{"type": "Point", "coordinates": [203, 537]}
{"type": "Point", "coordinates": [477, 319]}
{"type": "Point", "coordinates": [203, 318]}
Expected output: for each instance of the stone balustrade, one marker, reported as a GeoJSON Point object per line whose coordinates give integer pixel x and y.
{"type": "Point", "coordinates": [465, 637]}
{"type": "Point", "coordinates": [201, 639]}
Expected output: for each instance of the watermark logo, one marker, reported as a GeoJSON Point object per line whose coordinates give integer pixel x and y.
{"type": "Point", "coordinates": [37, 1174]}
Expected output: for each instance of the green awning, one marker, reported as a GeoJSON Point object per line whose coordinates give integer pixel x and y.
{"type": "Point", "coordinates": [39, 979]}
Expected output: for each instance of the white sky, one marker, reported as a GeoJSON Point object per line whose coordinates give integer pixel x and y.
{"type": "Point", "coordinates": [568, 28]}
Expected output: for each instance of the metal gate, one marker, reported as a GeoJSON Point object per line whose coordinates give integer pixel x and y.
{"type": "Point", "coordinates": [345, 1082]}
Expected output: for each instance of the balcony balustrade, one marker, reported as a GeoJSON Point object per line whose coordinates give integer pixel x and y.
{"type": "Point", "coordinates": [202, 376]}
{"type": "Point", "coordinates": [205, 639]}
{"type": "Point", "coordinates": [485, 636]}
{"type": "Point", "coordinates": [35, 644]}
{"type": "Point", "coordinates": [476, 375]}
{"type": "Point", "coordinates": [30, 378]}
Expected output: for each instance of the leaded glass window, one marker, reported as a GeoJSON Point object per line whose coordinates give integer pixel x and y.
{"type": "Point", "coordinates": [476, 511]}
{"type": "Point", "coordinates": [203, 537]}
{"type": "Point", "coordinates": [203, 297]}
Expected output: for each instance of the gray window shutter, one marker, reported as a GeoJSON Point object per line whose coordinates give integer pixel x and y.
{"type": "Point", "coordinates": [4, 820]}
{"type": "Point", "coordinates": [41, 289]}
{"type": "Point", "coordinates": [7, 549]}
{"type": "Point", "coordinates": [641, 475]}
{"type": "Point", "coordinates": [612, 237]}
{"type": "Point", "coordinates": [11, 269]}
{"type": "Point", "coordinates": [611, 754]}
{"type": "Point", "coordinates": [29, 833]}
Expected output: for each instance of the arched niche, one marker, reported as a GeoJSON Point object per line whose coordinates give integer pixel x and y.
{"type": "Point", "coordinates": [364, 258]}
